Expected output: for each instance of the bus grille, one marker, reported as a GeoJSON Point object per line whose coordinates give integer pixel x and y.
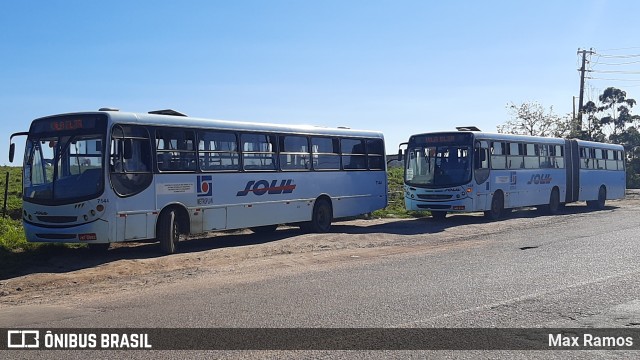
{"type": "Point", "coordinates": [434, 196]}
{"type": "Point", "coordinates": [435, 207]}
{"type": "Point", "coordinates": [58, 219]}
{"type": "Point", "coordinates": [56, 236]}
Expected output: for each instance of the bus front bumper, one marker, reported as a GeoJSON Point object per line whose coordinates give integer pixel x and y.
{"type": "Point", "coordinates": [91, 233]}
{"type": "Point", "coordinates": [459, 205]}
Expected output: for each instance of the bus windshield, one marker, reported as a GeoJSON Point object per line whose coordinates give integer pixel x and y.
{"type": "Point", "coordinates": [63, 166]}
{"type": "Point", "coordinates": [438, 166]}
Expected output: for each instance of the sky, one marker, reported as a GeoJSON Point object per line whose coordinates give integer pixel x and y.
{"type": "Point", "coordinates": [398, 66]}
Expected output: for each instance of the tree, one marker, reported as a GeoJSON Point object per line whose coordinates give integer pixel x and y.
{"type": "Point", "coordinates": [610, 98]}
{"type": "Point", "coordinates": [532, 119]}
{"type": "Point", "coordinates": [593, 131]}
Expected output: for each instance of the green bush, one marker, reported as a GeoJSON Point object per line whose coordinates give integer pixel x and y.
{"type": "Point", "coordinates": [12, 235]}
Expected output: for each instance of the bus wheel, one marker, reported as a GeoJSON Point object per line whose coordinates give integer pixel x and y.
{"type": "Point", "coordinates": [554, 202]}
{"type": "Point", "coordinates": [602, 198]}
{"type": "Point", "coordinates": [322, 216]}
{"type": "Point", "coordinates": [439, 215]}
{"type": "Point", "coordinates": [264, 229]}
{"type": "Point", "coordinates": [168, 231]}
{"type": "Point", "coordinates": [497, 206]}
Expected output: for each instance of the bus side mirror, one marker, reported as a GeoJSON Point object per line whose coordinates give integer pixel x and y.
{"type": "Point", "coordinates": [12, 152]}
{"type": "Point", "coordinates": [128, 149]}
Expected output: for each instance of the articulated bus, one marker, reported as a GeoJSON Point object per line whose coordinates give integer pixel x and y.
{"type": "Point", "coordinates": [470, 170]}
{"type": "Point", "coordinates": [110, 176]}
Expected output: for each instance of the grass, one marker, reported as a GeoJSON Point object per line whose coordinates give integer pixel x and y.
{"type": "Point", "coordinates": [395, 207]}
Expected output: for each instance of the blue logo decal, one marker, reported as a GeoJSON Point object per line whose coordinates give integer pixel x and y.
{"type": "Point", "coordinates": [205, 185]}
{"type": "Point", "coordinates": [262, 187]}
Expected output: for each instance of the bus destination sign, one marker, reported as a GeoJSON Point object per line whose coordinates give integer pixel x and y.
{"type": "Point", "coordinates": [441, 139]}
{"type": "Point", "coordinates": [67, 125]}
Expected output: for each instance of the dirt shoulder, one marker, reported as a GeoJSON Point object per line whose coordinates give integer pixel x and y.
{"type": "Point", "coordinates": [69, 275]}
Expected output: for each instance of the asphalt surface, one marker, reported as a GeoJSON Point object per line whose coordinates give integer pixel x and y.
{"type": "Point", "coordinates": [579, 269]}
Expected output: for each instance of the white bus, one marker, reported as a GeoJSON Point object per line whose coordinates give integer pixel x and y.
{"type": "Point", "coordinates": [110, 176]}
{"type": "Point", "coordinates": [470, 170]}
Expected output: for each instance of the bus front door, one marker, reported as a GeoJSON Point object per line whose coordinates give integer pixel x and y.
{"type": "Point", "coordinates": [481, 175]}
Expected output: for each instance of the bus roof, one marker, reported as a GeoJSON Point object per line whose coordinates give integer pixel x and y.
{"type": "Point", "coordinates": [480, 135]}
{"type": "Point", "coordinates": [193, 122]}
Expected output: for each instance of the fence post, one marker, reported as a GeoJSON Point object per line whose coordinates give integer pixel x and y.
{"type": "Point", "coordinates": [6, 190]}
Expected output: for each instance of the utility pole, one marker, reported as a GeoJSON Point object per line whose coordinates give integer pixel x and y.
{"type": "Point", "coordinates": [578, 125]}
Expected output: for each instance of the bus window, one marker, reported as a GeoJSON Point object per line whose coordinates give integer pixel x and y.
{"type": "Point", "coordinates": [375, 154]}
{"type": "Point", "coordinates": [481, 163]}
{"type": "Point", "coordinates": [599, 156]}
{"type": "Point", "coordinates": [130, 159]}
{"type": "Point", "coordinates": [175, 149]}
{"type": "Point", "coordinates": [218, 151]}
{"type": "Point", "coordinates": [498, 155]}
{"type": "Point", "coordinates": [326, 153]}
{"type": "Point", "coordinates": [546, 161]}
{"type": "Point", "coordinates": [556, 155]}
{"type": "Point", "coordinates": [353, 154]}
{"type": "Point", "coordinates": [531, 156]}
{"type": "Point", "coordinates": [515, 159]}
{"type": "Point", "coordinates": [620, 160]}
{"type": "Point", "coordinates": [294, 153]}
{"type": "Point", "coordinates": [611, 163]}
{"type": "Point", "coordinates": [584, 158]}
{"type": "Point", "coordinates": [258, 151]}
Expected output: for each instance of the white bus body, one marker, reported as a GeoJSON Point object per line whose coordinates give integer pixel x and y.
{"type": "Point", "coordinates": [109, 176]}
{"type": "Point", "coordinates": [468, 171]}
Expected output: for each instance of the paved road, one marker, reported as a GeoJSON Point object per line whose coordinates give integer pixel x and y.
{"type": "Point", "coordinates": [574, 270]}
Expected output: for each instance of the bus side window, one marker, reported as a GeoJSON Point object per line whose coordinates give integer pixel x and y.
{"type": "Point", "coordinates": [130, 159]}
{"type": "Point", "coordinates": [481, 161]}
{"type": "Point", "coordinates": [498, 155]}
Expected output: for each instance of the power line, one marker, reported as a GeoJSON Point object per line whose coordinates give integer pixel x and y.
{"type": "Point", "coordinates": [618, 56]}
{"type": "Point", "coordinates": [616, 64]}
{"type": "Point", "coordinates": [615, 72]}
{"type": "Point", "coordinates": [618, 49]}
{"type": "Point", "coordinates": [598, 78]}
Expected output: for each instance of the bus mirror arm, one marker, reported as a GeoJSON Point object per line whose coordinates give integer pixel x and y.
{"type": "Point", "coordinates": [12, 146]}
{"type": "Point", "coordinates": [400, 151]}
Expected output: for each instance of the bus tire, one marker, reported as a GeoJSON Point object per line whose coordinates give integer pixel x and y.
{"type": "Point", "coordinates": [264, 229]}
{"type": "Point", "coordinates": [168, 231]}
{"type": "Point", "coordinates": [554, 202]}
{"type": "Point", "coordinates": [321, 217]}
{"type": "Point", "coordinates": [602, 198]}
{"type": "Point", "coordinates": [439, 215]}
{"type": "Point", "coordinates": [497, 206]}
